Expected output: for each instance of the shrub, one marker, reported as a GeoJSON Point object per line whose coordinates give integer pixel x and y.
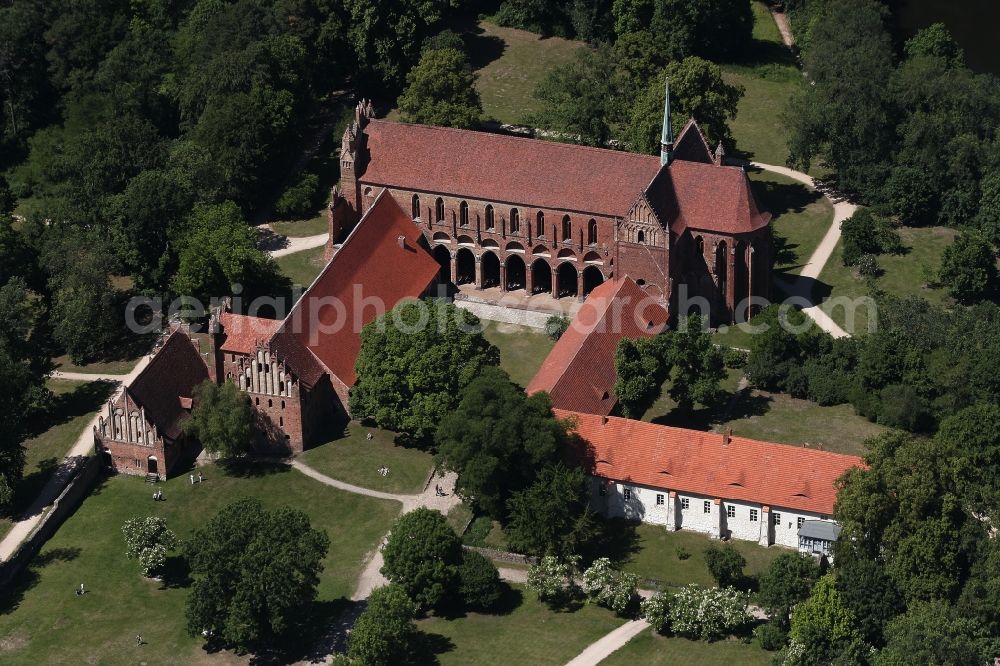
{"type": "Point", "coordinates": [864, 233]}
{"type": "Point", "coordinates": [735, 359]}
{"type": "Point", "coordinates": [148, 540]}
{"type": "Point", "coordinates": [656, 611]}
{"type": "Point", "coordinates": [479, 583]}
{"type": "Point", "coordinates": [682, 553]}
{"type": "Point", "coordinates": [610, 587]}
{"type": "Point", "coordinates": [477, 531]}
{"type": "Point", "coordinates": [708, 613]}
{"type": "Point", "coordinates": [556, 325]}
{"type": "Point", "coordinates": [725, 564]}
{"type": "Point", "coordinates": [300, 198]}
{"type": "Point", "coordinates": [552, 579]}
{"type": "Point", "coordinates": [868, 265]}
{"type": "Point", "coordinates": [771, 636]}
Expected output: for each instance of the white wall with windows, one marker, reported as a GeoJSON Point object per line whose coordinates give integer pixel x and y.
{"type": "Point", "coordinates": [737, 519]}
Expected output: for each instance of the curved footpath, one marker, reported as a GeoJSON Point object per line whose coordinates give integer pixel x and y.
{"type": "Point", "coordinates": [802, 286]}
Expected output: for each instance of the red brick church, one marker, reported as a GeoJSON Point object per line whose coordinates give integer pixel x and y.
{"type": "Point", "coordinates": [544, 217]}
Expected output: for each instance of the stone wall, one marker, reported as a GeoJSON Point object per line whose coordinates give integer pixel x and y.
{"type": "Point", "coordinates": [84, 476]}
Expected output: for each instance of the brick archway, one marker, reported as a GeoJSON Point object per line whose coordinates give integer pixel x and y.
{"type": "Point", "coordinates": [515, 273]}
{"type": "Point", "coordinates": [566, 280]}
{"type": "Point", "coordinates": [465, 266]}
{"type": "Point", "coordinates": [541, 277]}
{"type": "Point", "coordinates": [443, 256]}
{"type": "Point", "coordinates": [592, 278]}
{"type": "Point", "coordinates": [490, 267]}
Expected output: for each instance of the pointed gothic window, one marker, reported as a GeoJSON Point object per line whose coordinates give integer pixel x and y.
{"type": "Point", "coordinates": [567, 229]}
{"type": "Point", "coordinates": [415, 206]}
{"type": "Point", "coordinates": [592, 232]}
{"type": "Point", "coordinates": [490, 220]}
{"type": "Point", "coordinates": [439, 209]}
{"type": "Point", "coordinates": [463, 214]}
{"type": "Point", "coordinates": [640, 237]}
{"type": "Point", "coordinates": [515, 221]}
{"type": "Point", "coordinates": [540, 225]}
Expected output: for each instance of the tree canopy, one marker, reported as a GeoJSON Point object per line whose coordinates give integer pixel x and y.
{"type": "Point", "coordinates": [222, 419]}
{"type": "Point", "coordinates": [422, 556]}
{"type": "Point", "coordinates": [441, 90]}
{"type": "Point", "coordinates": [255, 573]}
{"type": "Point", "coordinates": [415, 363]}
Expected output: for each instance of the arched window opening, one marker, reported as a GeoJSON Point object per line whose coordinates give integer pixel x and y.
{"type": "Point", "coordinates": [567, 229]}
{"type": "Point", "coordinates": [592, 232]}
{"type": "Point", "coordinates": [463, 214]}
{"type": "Point", "coordinates": [515, 221]}
{"type": "Point", "coordinates": [490, 223]}
{"type": "Point", "coordinates": [540, 225]}
{"type": "Point", "coordinates": [640, 237]}
{"type": "Point", "coordinates": [415, 206]}
{"type": "Point", "coordinates": [439, 210]}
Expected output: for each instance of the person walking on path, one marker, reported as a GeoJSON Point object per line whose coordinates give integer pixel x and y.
{"type": "Point", "coordinates": [191, 476]}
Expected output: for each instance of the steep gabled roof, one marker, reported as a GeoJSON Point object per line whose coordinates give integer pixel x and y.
{"type": "Point", "coordinates": [168, 382]}
{"type": "Point", "coordinates": [707, 463]}
{"type": "Point", "coordinates": [506, 169]}
{"type": "Point", "coordinates": [691, 145]}
{"type": "Point", "coordinates": [579, 373]}
{"type": "Point", "coordinates": [714, 198]}
{"type": "Point", "coordinates": [243, 334]}
{"type": "Point", "coordinates": [381, 263]}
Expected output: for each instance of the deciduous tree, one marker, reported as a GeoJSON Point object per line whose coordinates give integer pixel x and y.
{"type": "Point", "coordinates": [385, 634]}
{"type": "Point", "coordinates": [222, 419]}
{"type": "Point", "coordinates": [148, 540]}
{"type": "Point", "coordinates": [422, 556]}
{"type": "Point", "coordinates": [441, 90]}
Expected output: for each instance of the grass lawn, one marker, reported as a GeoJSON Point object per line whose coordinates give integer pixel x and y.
{"type": "Point", "coordinates": [522, 349]}
{"type": "Point", "coordinates": [42, 621]}
{"type": "Point", "coordinates": [773, 417]}
{"type": "Point", "coordinates": [655, 556]}
{"type": "Point", "coordinates": [296, 228]}
{"type": "Point", "coordinates": [510, 63]}
{"type": "Point", "coordinates": [802, 217]}
{"type": "Point", "coordinates": [777, 417]}
{"type": "Point", "coordinates": [302, 267]}
{"type": "Point", "coordinates": [355, 459]}
{"type": "Point", "coordinates": [121, 366]}
{"type": "Point", "coordinates": [528, 634]}
{"type": "Point", "coordinates": [650, 649]}
{"type": "Point", "coordinates": [769, 79]}
{"type": "Point", "coordinates": [904, 274]}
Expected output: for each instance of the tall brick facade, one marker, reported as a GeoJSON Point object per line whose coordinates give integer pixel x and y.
{"type": "Point", "coordinates": [522, 214]}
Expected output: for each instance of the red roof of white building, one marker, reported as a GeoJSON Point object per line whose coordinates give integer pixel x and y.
{"type": "Point", "coordinates": [579, 373]}
{"type": "Point", "coordinates": [707, 463]}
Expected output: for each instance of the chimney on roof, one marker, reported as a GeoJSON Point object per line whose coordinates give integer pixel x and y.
{"type": "Point", "coordinates": [720, 155]}
{"type": "Point", "coordinates": [727, 436]}
{"type": "Point", "coordinates": [401, 241]}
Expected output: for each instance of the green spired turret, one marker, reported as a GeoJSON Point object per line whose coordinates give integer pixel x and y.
{"type": "Point", "coordinates": [667, 138]}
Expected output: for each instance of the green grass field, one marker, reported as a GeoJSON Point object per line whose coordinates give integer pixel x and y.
{"type": "Point", "coordinates": [522, 349]}
{"type": "Point", "coordinates": [298, 228]}
{"type": "Point", "coordinates": [772, 417]}
{"type": "Point", "coordinates": [651, 649]}
{"type": "Point", "coordinates": [302, 267]}
{"type": "Point", "coordinates": [355, 459]}
{"type": "Point", "coordinates": [801, 217]}
{"type": "Point", "coordinates": [510, 63]}
{"type": "Point", "coordinates": [655, 556]}
{"type": "Point", "coordinates": [904, 274]}
{"type": "Point", "coordinates": [769, 78]}
{"type": "Point", "coordinates": [529, 634]}
{"type": "Point", "coordinates": [111, 367]}
{"type": "Point", "coordinates": [43, 621]}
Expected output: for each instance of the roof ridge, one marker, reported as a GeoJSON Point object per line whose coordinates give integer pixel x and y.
{"type": "Point", "coordinates": [561, 144]}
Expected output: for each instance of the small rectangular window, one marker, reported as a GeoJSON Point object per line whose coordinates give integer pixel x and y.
{"type": "Point", "coordinates": [627, 494]}
{"type": "Point", "coordinates": [776, 519]}
{"type": "Point", "coordinates": [730, 511]}
{"type": "Point", "coordinates": [659, 499]}
{"type": "Point", "coordinates": [708, 506]}
{"type": "Point", "coordinates": [800, 522]}
{"type": "Point", "coordinates": [753, 515]}
{"type": "Point", "coordinates": [685, 503]}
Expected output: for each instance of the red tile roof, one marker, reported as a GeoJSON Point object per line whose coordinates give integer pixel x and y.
{"type": "Point", "coordinates": [381, 263]}
{"type": "Point", "coordinates": [168, 382]}
{"type": "Point", "coordinates": [579, 373]}
{"type": "Point", "coordinates": [243, 334]}
{"type": "Point", "coordinates": [545, 174]}
{"type": "Point", "coordinates": [506, 169]}
{"type": "Point", "coordinates": [714, 198]}
{"type": "Point", "coordinates": [778, 475]}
